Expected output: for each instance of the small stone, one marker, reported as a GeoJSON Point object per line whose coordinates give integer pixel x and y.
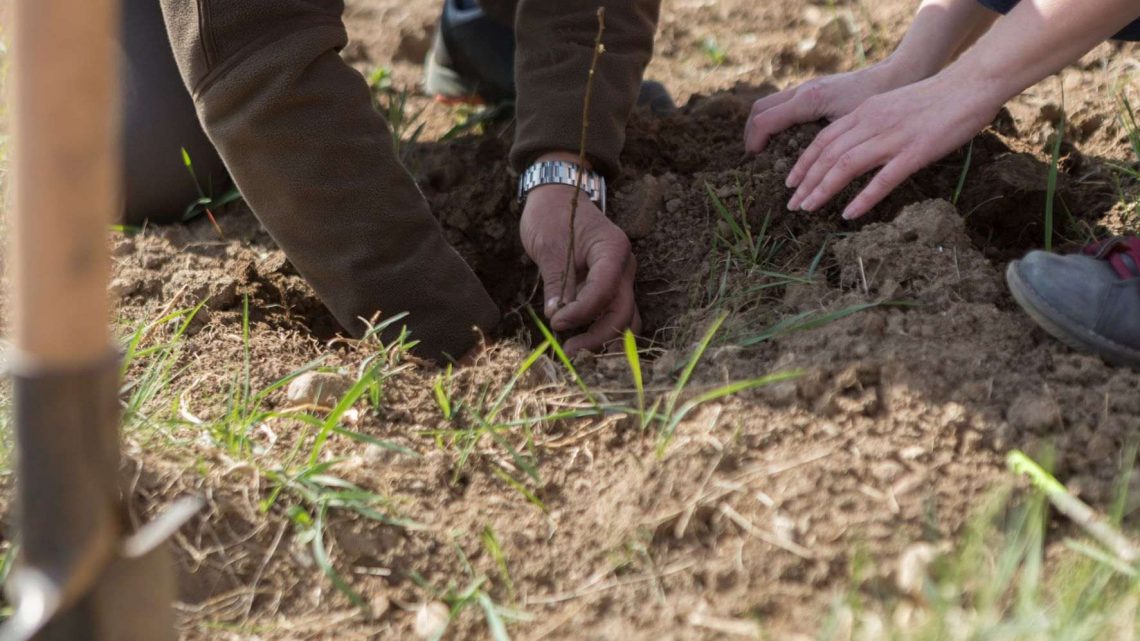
{"type": "Point", "coordinates": [123, 247]}
{"type": "Point", "coordinates": [780, 394]}
{"type": "Point", "coordinates": [813, 14]}
{"type": "Point", "coordinates": [274, 263]}
{"type": "Point", "coordinates": [544, 372]}
{"type": "Point", "coordinates": [123, 287]}
{"type": "Point", "coordinates": [674, 205]}
{"type": "Point", "coordinates": [1034, 412]}
{"type": "Point", "coordinates": [911, 453]}
{"type": "Point", "coordinates": [379, 604]}
{"type": "Point", "coordinates": [818, 55]}
{"type": "Point", "coordinates": [317, 388]}
{"type": "Point", "coordinates": [913, 566]}
{"type": "Point", "coordinates": [836, 31]}
{"type": "Point", "coordinates": [431, 620]}
{"type": "Point", "coordinates": [636, 213]}
{"type": "Point", "coordinates": [375, 455]}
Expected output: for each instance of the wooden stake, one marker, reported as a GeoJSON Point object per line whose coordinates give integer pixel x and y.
{"type": "Point", "coordinates": [65, 146]}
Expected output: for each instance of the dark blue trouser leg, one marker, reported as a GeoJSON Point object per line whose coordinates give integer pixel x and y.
{"type": "Point", "coordinates": [158, 121]}
{"type": "Point", "coordinates": [1131, 32]}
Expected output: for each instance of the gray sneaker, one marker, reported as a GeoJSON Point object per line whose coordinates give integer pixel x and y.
{"type": "Point", "coordinates": [1090, 301]}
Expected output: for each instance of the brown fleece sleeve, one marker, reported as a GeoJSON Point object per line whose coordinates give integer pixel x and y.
{"type": "Point", "coordinates": [296, 128]}
{"type": "Point", "coordinates": [552, 65]}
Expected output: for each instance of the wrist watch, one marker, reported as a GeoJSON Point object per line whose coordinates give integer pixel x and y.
{"type": "Point", "coordinates": [559, 172]}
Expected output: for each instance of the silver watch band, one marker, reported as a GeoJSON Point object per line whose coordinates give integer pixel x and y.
{"type": "Point", "coordinates": [559, 172]}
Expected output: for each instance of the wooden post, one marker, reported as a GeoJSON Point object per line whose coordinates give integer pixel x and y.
{"type": "Point", "coordinates": [65, 147]}
{"type": "Point", "coordinates": [83, 573]}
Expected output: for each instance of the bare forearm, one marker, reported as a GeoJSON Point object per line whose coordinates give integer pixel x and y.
{"type": "Point", "coordinates": [940, 30]}
{"type": "Point", "coordinates": [1038, 38]}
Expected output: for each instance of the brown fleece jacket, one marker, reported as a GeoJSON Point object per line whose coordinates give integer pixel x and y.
{"type": "Point", "coordinates": [552, 65]}
{"type": "Point", "coordinates": [296, 129]}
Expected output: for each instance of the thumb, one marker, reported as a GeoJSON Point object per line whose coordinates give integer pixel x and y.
{"type": "Point", "coordinates": [559, 286]}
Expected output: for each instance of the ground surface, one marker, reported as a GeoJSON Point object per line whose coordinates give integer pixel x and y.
{"type": "Point", "coordinates": [916, 373]}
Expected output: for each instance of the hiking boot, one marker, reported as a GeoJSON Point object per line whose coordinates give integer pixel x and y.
{"type": "Point", "coordinates": [472, 59]}
{"type": "Point", "coordinates": [1090, 301]}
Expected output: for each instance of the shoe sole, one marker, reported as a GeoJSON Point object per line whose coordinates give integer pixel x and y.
{"type": "Point", "coordinates": [1062, 328]}
{"type": "Point", "coordinates": [445, 83]}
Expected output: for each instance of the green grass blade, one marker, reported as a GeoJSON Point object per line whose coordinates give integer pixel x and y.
{"type": "Point", "coordinates": [634, 360]}
{"type": "Point", "coordinates": [809, 320]}
{"type": "Point", "coordinates": [695, 358]}
{"type": "Point", "coordinates": [491, 544]}
{"type": "Point", "coordinates": [562, 357]}
{"type": "Point", "coordinates": [962, 176]}
{"type": "Point", "coordinates": [442, 398]}
{"type": "Point", "coordinates": [523, 368]}
{"type": "Point", "coordinates": [737, 231]}
{"type": "Point", "coordinates": [494, 623]}
{"type": "Point", "coordinates": [1051, 188]}
{"type": "Point", "coordinates": [321, 556]}
{"type": "Point", "coordinates": [346, 402]}
{"type": "Point", "coordinates": [729, 389]}
{"type": "Point", "coordinates": [372, 440]}
{"type": "Point", "coordinates": [519, 459]}
{"type": "Point", "coordinates": [518, 487]}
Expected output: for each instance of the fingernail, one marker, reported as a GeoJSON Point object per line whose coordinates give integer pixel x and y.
{"type": "Point", "coordinates": [809, 204]}
{"type": "Point", "coordinates": [551, 306]}
{"type": "Point", "coordinates": [791, 182]}
{"type": "Point", "coordinates": [848, 214]}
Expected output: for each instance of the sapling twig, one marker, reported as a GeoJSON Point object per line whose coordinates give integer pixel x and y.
{"type": "Point", "coordinates": [599, 49]}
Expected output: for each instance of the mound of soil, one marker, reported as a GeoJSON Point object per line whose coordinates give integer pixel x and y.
{"type": "Point", "coordinates": [919, 374]}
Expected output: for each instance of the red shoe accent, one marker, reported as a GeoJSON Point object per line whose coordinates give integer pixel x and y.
{"type": "Point", "coordinates": [474, 100]}
{"type": "Point", "coordinates": [1114, 250]}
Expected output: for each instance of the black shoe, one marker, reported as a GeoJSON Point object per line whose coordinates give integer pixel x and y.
{"type": "Point", "coordinates": [472, 56]}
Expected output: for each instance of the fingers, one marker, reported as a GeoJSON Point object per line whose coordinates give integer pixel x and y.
{"type": "Point", "coordinates": [797, 107]}
{"type": "Point", "coordinates": [889, 177]}
{"type": "Point", "coordinates": [772, 100]}
{"type": "Point", "coordinates": [552, 266]}
{"type": "Point", "coordinates": [607, 261]}
{"type": "Point", "coordinates": [621, 314]}
{"type": "Point", "coordinates": [822, 140]}
{"type": "Point", "coordinates": [844, 164]}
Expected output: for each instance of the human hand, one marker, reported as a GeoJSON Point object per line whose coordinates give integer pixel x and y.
{"type": "Point", "coordinates": [599, 287]}
{"type": "Point", "coordinates": [829, 97]}
{"type": "Point", "coordinates": [901, 131]}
